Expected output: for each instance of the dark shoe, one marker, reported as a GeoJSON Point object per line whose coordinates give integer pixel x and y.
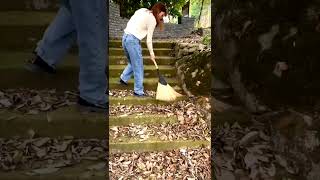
{"type": "Point", "coordinates": [89, 107]}
{"type": "Point", "coordinates": [140, 96]}
{"type": "Point", "coordinates": [37, 64]}
{"type": "Point", "coordinates": [123, 83]}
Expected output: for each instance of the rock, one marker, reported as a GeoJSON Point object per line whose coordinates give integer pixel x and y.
{"type": "Point", "coordinates": [191, 50]}
{"type": "Point", "coordinates": [183, 45]}
{"type": "Point", "coordinates": [192, 45]}
{"type": "Point", "coordinates": [184, 53]}
{"type": "Point", "coordinates": [202, 47]}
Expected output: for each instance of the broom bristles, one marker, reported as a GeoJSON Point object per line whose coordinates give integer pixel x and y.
{"type": "Point", "coordinates": [166, 93]}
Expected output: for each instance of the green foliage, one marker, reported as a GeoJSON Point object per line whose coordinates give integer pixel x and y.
{"type": "Point", "coordinates": [128, 7]}
{"type": "Point", "coordinates": [206, 39]}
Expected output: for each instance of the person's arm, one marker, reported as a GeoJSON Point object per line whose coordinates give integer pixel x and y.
{"type": "Point", "coordinates": [151, 24]}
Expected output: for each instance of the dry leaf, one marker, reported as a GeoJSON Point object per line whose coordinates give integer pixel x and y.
{"type": "Point", "coordinates": [41, 141]}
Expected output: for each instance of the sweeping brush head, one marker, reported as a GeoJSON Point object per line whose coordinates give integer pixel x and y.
{"type": "Point", "coordinates": [166, 93]}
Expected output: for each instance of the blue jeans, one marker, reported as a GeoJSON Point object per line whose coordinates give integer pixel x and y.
{"type": "Point", "coordinates": [83, 21]}
{"type": "Point", "coordinates": [132, 49]}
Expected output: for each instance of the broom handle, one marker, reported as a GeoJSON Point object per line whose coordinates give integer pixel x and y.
{"type": "Point", "coordinates": [155, 63]}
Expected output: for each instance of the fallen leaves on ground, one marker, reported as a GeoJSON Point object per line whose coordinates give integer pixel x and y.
{"type": "Point", "coordinates": [176, 164]}
{"type": "Point", "coordinates": [45, 155]}
{"type": "Point", "coordinates": [125, 93]}
{"type": "Point", "coordinates": [190, 120]}
{"type": "Point", "coordinates": [35, 101]}
{"type": "Point", "coordinates": [165, 132]}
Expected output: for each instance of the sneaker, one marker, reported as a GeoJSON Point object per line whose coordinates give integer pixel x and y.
{"type": "Point", "coordinates": [141, 96]}
{"type": "Point", "coordinates": [37, 64]}
{"type": "Point", "coordinates": [122, 82]}
{"type": "Point", "coordinates": [89, 107]}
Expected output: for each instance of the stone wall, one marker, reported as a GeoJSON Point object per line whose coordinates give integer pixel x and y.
{"type": "Point", "coordinates": [194, 68]}
{"type": "Point", "coordinates": [193, 64]}
{"type": "Point", "coordinates": [117, 24]}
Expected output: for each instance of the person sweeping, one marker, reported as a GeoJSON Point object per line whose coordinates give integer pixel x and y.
{"type": "Point", "coordinates": [140, 25]}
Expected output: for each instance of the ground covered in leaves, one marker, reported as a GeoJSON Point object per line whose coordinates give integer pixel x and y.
{"type": "Point", "coordinates": [31, 101]}
{"type": "Point", "coordinates": [280, 144]}
{"type": "Point", "coordinates": [166, 132]}
{"type": "Point", "coordinates": [190, 125]}
{"type": "Point", "coordinates": [189, 164]}
{"type": "Point", "coordinates": [182, 163]}
{"type": "Point", "coordinates": [42, 155]}
{"type": "Point", "coordinates": [45, 155]}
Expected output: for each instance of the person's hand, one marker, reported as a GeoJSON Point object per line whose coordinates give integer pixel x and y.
{"type": "Point", "coordinates": [152, 57]}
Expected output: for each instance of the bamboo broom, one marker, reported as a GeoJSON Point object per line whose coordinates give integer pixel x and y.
{"type": "Point", "coordinates": [164, 91]}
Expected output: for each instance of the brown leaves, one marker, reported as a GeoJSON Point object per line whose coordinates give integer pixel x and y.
{"type": "Point", "coordinates": [58, 153]}
{"type": "Point", "coordinates": [248, 153]}
{"type": "Point", "coordinates": [35, 101]}
{"type": "Point", "coordinates": [125, 93]}
{"type": "Point", "coordinates": [192, 164]}
{"type": "Point", "coordinates": [163, 132]}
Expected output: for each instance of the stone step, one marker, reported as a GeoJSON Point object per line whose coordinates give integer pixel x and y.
{"type": "Point", "coordinates": [149, 83]}
{"type": "Point", "coordinates": [161, 60]}
{"type": "Point", "coordinates": [19, 58]}
{"type": "Point", "coordinates": [152, 144]}
{"type": "Point", "coordinates": [29, 5]}
{"type": "Point", "coordinates": [65, 121]}
{"type": "Point", "coordinates": [85, 170]}
{"type": "Point", "coordinates": [145, 52]}
{"type": "Point", "coordinates": [72, 67]}
{"type": "Point", "coordinates": [28, 27]}
{"type": "Point", "coordinates": [132, 100]}
{"type": "Point", "coordinates": [21, 38]}
{"type": "Point", "coordinates": [155, 44]}
{"type": "Point", "coordinates": [140, 119]}
{"type": "Point", "coordinates": [65, 79]}
{"type": "Point", "coordinates": [149, 71]}
{"type": "Point", "coordinates": [26, 18]}
{"type": "Point", "coordinates": [26, 37]}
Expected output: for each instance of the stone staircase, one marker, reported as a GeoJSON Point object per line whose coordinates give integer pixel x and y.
{"type": "Point", "coordinates": [21, 26]}
{"type": "Point", "coordinates": [145, 128]}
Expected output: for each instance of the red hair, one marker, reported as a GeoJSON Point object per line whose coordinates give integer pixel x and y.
{"type": "Point", "coordinates": [156, 9]}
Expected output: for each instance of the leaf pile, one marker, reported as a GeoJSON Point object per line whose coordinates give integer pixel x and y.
{"type": "Point", "coordinates": [35, 101]}
{"type": "Point", "coordinates": [188, 164]}
{"type": "Point", "coordinates": [40, 153]}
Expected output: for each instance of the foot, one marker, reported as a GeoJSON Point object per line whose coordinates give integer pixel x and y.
{"type": "Point", "coordinates": [122, 82]}
{"type": "Point", "coordinates": [89, 107]}
{"type": "Point", "coordinates": [140, 96]}
{"type": "Point", "coordinates": [37, 64]}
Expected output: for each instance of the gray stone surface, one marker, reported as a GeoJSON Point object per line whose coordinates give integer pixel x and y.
{"type": "Point", "coordinates": [117, 24]}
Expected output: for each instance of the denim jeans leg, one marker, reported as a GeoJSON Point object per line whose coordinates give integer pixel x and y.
{"type": "Point", "coordinates": [133, 47]}
{"type": "Point", "coordinates": [90, 19]}
{"type": "Point", "coordinates": [128, 71]}
{"type": "Point", "coordinates": [58, 38]}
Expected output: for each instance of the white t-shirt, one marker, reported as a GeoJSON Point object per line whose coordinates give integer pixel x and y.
{"type": "Point", "coordinates": [142, 24]}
